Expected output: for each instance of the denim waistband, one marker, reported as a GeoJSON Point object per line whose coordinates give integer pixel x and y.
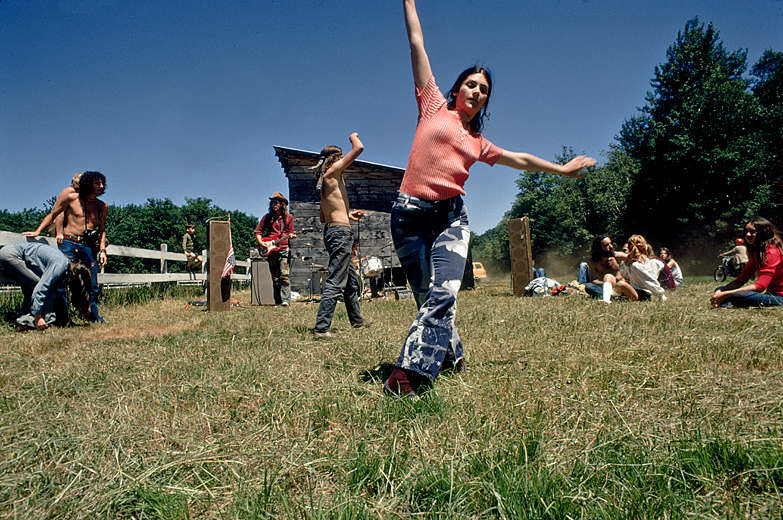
{"type": "Point", "coordinates": [335, 224]}
{"type": "Point", "coordinates": [404, 198]}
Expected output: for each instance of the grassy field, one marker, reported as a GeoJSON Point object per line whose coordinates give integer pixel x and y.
{"type": "Point", "coordinates": [569, 408]}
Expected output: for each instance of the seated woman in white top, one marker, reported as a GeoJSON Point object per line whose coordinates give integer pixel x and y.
{"type": "Point", "coordinates": [667, 257]}
{"type": "Point", "coordinates": [643, 272]}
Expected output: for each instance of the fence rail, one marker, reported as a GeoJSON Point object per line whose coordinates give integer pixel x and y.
{"type": "Point", "coordinates": [119, 279]}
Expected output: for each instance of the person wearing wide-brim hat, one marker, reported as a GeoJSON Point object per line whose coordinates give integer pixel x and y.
{"type": "Point", "coordinates": [272, 234]}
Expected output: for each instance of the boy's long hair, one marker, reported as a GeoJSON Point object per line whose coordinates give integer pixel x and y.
{"type": "Point", "coordinates": [329, 155]}
{"type": "Point", "coordinates": [767, 235]}
{"type": "Point", "coordinates": [80, 284]}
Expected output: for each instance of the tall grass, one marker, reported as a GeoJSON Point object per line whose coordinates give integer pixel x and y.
{"type": "Point", "coordinates": [568, 409]}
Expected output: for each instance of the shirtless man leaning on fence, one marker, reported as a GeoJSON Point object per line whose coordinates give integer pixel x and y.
{"type": "Point", "coordinates": [84, 228]}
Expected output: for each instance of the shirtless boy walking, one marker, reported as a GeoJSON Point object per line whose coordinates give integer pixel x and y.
{"type": "Point", "coordinates": [84, 228]}
{"type": "Point", "coordinates": [338, 237]}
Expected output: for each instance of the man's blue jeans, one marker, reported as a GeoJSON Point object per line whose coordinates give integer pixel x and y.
{"type": "Point", "coordinates": [583, 276]}
{"type": "Point", "coordinates": [338, 240]}
{"type": "Point", "coordinates": [77, 251]}
{"type": "Point", "coordinates": [431, 239]}
{"type": "Point", "coordinates": [751, 299]}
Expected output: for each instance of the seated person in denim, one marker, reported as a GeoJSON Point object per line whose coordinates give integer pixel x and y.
{"type": "Point", "coordinates": [338, 237]}
{"type": "Point", "coordinates": [84, 236]}
{"type": "Point", "coordinates": [765, 256]}
{"type": "Point", "coordinates": [602, 276]}
{"type": "Point", "coordinates": [40, 269]}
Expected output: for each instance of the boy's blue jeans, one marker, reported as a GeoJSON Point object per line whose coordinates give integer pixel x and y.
{"type": "Point", "coordinates": [338, 240]}
{"type": "Point", "coordinates": [583, 276]}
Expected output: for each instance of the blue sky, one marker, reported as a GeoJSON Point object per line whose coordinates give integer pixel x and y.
{"type": "Point", "coordinates": [186, 98]}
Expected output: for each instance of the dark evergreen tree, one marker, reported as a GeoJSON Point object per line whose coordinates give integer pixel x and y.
{"type": "Point", "coordinates": [698, 143]}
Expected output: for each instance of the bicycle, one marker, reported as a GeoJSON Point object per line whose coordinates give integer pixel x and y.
{"type": "Point", "coordinates": [726, 268]}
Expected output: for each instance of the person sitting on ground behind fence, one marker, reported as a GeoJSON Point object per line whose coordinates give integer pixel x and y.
{"type": "Point", "coordinates": [40, 270]}
{"type": "Point", "coordinates": [643, 271]}
{"type": "Point", "coordinates": [601, 276]}
{"type": "Point", "coordinates": [666, 255]}
{"type": "Point", "coordinates": [765, 256]}
{"type": "Point", "coordinates": [189, 248]}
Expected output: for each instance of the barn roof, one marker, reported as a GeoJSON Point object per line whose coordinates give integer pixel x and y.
{"type": "Point", "coordinates": [296, 162]}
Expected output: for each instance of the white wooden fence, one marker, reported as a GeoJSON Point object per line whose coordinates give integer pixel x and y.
{"type": "Point", "coordinates": [121, 279]}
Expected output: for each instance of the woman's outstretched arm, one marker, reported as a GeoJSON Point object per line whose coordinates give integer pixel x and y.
{"type": "Point", "coordinates": [419, 60]}
{"type": "Point", "coordinates": [526, 161]}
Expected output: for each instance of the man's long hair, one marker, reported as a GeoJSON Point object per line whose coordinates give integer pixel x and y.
{"type": "Point", "coordinates": [85, 183]}
{"type": "Point", "coordinates": [267, 230]}
{"type": "Point", "coordinates": [80, 284]}
{"type": "Point", "coordinates": [597, 251]}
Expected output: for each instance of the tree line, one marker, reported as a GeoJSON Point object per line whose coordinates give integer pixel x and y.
{"type": "Point", "coordinates": [148, 225]}
{"type": "Point", "coordinates": [701, 156]}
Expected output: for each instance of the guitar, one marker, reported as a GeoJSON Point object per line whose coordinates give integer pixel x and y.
{"type": "Point", "coordinates": [269, 244]}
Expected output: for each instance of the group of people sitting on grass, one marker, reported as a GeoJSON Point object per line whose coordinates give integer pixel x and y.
{"type": "Point", "coordinates": [634, 272]}
{"type": "Point", "coordinates": [637, 274]}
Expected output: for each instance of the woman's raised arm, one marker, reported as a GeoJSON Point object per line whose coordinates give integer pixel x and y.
{"type": "Point", "coordinates": [420, 63]}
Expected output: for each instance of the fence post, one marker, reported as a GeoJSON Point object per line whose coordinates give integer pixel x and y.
{"type": "Point", "coordinates": [203, 261]}
{"type": "Point", "coordinates": [164, 267]}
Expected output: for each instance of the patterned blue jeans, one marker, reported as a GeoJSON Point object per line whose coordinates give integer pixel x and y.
{"type": "Point", "coordinates": [431, 239]}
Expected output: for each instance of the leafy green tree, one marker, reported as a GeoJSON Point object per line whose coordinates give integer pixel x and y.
{"type": "Point", "coordinates": [698, 143]}
{"type": "Point", "coordinates": [767, 86]}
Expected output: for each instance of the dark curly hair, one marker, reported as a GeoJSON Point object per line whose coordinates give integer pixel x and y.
{"type": "Point", "coordinates": [85, 183]}
{"type": "Point", "coordinates": [596, 251]}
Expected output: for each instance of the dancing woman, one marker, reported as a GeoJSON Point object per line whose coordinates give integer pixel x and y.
{"type": "Point", "coordinates": [429, 221]}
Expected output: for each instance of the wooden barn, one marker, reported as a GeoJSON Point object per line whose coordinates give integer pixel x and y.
{"type": "Point", "coordinates": [371, 187]}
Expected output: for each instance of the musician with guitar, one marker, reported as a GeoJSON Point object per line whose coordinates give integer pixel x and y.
{"type": "Point", "coordinates": [272, 234]}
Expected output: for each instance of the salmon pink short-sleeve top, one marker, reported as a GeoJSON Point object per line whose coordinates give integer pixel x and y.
{"type": "Point", "coordinates": [443, 150]}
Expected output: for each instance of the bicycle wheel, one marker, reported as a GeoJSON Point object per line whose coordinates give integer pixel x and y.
{"type": "Point", "coordinates": [720, 274]}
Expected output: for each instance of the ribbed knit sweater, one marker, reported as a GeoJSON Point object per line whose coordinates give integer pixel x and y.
{"type": "Point", "coordinates": [443, 150]}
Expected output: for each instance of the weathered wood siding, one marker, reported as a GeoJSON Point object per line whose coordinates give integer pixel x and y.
{"type": "Point", "coordinates": [370, 187]}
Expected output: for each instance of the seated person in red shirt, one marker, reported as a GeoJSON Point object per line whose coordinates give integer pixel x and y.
{"type": "Point", "coordinates": [765, 255]}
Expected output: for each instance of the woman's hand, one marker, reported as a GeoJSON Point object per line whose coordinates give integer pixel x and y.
{"type": "Point", "coordinates": [719, 297]}
{"type": "Point", "coordinates": [573, 167]}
